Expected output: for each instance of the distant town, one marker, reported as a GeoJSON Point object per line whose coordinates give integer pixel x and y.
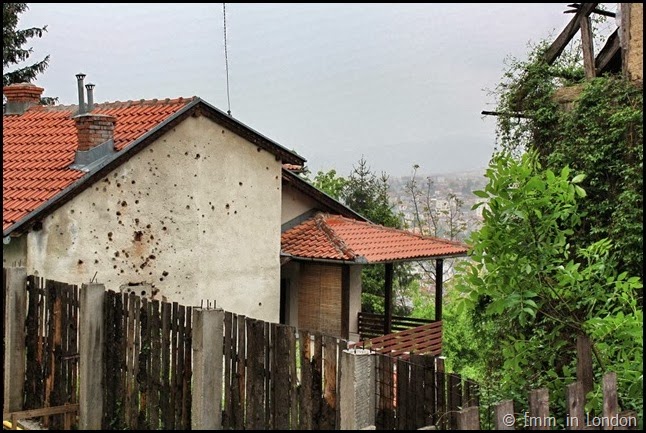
{"type": "Point", "coordinates": [443, 205]}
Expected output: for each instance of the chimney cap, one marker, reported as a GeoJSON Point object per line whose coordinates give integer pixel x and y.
{"type": "Point", "coordinates": [90, 86]}
{"type": "Point", "coordinates": [80, 75]}
{"type": "Point", "coordinates": [26, 86]}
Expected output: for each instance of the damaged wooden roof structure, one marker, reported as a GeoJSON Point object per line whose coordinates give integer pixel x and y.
{"type": "Point", "coordinates": [610, 59]}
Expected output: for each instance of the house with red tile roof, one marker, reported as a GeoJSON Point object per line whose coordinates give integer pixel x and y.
{"type": "Point", "coordinates": [177, 200]}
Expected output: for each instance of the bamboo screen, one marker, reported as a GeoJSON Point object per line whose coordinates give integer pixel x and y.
{"type": "Point", "coordinates": [319, 298]}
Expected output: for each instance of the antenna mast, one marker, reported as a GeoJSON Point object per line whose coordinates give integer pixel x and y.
{"type": "Point", "coordinates": [226, 56]}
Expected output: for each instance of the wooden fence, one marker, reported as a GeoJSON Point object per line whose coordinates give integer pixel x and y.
{"type": "Point", "coordinates": [278, 378]}
{"type": "Point", "coordinates": [416, 392]}
{"type": "Point", "coordinates": [537, 415]}
{"type": "Point", "coordinates": [272, 376]}
{"type": "Point", "coordinates": [147, 363]}
{"type": "Point", "coordinates": [51, 339]}
{"type": "Point", "coordinates": [372, 325]}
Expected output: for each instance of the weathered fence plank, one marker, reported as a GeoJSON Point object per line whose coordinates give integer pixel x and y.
{"type": "Point", "coordinates": [255, 400]}
{"type": "Point", "coordinates": [305, 396]}
{"type": "Point", "coordinates": [584, 373]}
{"type": "Point", "coordinates": [504, 418]}
{"type": "Point", "coordinates": [317, 382]}
{"type": "Point", "coordinates": [539, 409]}
{"type": "Point", "coordinates": [228, 361]}
{"type": "Point", "coordinates": [386, 406]}
{"type": "Point", "coordinates": [166, 349]}
{"type": "Point", "coordinates": [281, 379]}
{"type": "Point", "coordinates": [417, 390]}
{"type": "Point", "coordinates": [293, 378]}
{"type": "Point", "coordinates": [441, 395]}
{"type": "Point", "coordinates": [610, 400]}
{"type": "Point", "coordinates": [468, 419]}
{"type": "Point", "coordinates": [430, 391]}
{"type": "Point", "coordinates": [155, 367]}
{"type": "Point", "coordinates": [402, 416]}
{"type": "Point", "coordinates": [454, 398]}
{"type": "Point", "coordinates": [240, 385]}
{"type": "Point", "coordinates": [328, 408]}
{"type": "Point", "coordinates": [187, 372]}
{"type": "Point", "coordinates": [575, 406]}
{"type": "Point", "coordinates": [20, 339]}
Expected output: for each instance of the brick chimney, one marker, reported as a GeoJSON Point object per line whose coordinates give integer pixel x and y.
{"type": "Point", "coordinates": [21, 96]}
{"type": "Point", "coordinates": [93, 130]}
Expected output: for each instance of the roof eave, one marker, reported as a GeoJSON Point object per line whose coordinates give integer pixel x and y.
{"type": "Point", "coordinates": [282, 153]}
{"type": "Point", "coordinates": [359, 260]}
{"type": "Point", "coordinates": [320, 196]}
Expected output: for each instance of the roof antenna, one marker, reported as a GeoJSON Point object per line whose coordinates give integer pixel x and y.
{"type": "Point", "coordinates": [226, 55]}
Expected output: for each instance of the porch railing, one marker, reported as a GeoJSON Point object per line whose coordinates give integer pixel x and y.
{"type": "Point", "coordinates": [372, 325]}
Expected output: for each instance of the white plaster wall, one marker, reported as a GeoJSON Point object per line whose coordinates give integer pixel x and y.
{"type": "Point", "coordinates": [295, 203]}
{"type": "Point", "coordinates": [15, 252]}
{"type": "Point", "coordinates": [196, 215]}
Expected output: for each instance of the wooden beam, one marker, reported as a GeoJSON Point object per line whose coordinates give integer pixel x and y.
{"type": "Point", "coordinates": [607, 53]}
{"type": "Point", "coordinates": [388, 304]}
{"type": "Point", "coordinates": [504, 114]}
{"type": "Point", "coordinates": [597, 11]}
{"type": "Point", "coordinates": [557, 47]}
{"type": "Point", "coordinates": [439, 271]}
{"type": "Point", "coordinates": [568, 33]}
{"type": "Point", "coordinates": [588, 48]}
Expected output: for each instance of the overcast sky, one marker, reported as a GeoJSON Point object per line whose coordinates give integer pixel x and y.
{"type": "Point", "coordinates": [400, 84]}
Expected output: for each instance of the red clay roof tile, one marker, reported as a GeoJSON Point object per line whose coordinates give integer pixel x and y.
{"type": "Point", "coordinates": [334, 237]}
{"type": "Point", "coordinates": [39, 145]}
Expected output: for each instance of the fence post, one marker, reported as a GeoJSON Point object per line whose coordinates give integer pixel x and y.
{"type": "Point", "coordinates": [208, 350]}
{"type": "Point", "coordinates": [584, 373]}
{"type": "Point", "coordinates": [539, 410]}
{"type": "Point", "coordinates": [357, 393]}
{"type": "Point", "coordinates": [505, 419]}
{"type": "Point", "coordinates": [469, 418]}
{"type": "Point", "coordinates": [610, 400]}
{"type": "Point", "coordinates": [91, 359]}
{"type": "Point", "coordinates": [575, 406]}
{"type": "Point", "coordinates": [14, 333]}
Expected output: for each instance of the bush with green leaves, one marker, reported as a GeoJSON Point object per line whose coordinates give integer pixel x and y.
{"type": "Point", "coordinates": [538, 292]}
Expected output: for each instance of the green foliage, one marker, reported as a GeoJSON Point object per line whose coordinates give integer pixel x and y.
{"type": "Point", "coordinates": [367, 194]}
{"type": "Point", "coordinates": [13, 40]}
{"type": "Point", "coordinates": [599, 134]}
{"type": "Point", "coordinates": [330, 183]}
{"type": "Point", "coordinates": [537, 292]}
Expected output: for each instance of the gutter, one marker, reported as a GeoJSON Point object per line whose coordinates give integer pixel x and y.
{"type": "Point", "coordinates": [360, 260]}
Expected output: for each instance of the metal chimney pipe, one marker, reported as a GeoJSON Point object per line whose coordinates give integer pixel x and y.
{"type": "Point", "coordinates": [79, 77]}
{"type": "Point", "coordinates": [90, 96]}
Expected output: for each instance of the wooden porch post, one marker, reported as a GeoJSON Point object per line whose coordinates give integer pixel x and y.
{"type": "Point", "coordinates": [345, 302]}
{"type": "Point", "coordinates": [439, 268]}
{"type": "Point", "coordinates": [388, 303]}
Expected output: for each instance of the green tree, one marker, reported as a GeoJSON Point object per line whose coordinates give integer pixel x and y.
{"type": "Point", "coordinates": [538, 292]}
{"type": "Point", "coordinates": [13, 41]}
{"type": "Point", "coordinates": [600, 134]}
{"type": "Point", "coordinates": [367, 194]}
{"type": "Point", "coordinates": [330, 183]}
